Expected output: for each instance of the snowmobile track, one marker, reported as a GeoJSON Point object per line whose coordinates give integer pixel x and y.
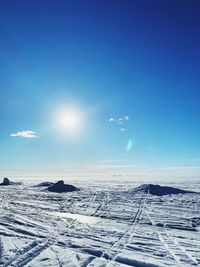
{"type": "Point", "coordinates": [27, 254]}
{"type": "Point", "coordinates": [172, 246]}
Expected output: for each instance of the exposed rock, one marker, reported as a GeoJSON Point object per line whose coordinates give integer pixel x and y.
{"type": "Point", "coordinates": [158, 190]}
{"type": "Point", "coordinates": [60, 187]}
{"type": "Point", "coordinates": [6, 181]}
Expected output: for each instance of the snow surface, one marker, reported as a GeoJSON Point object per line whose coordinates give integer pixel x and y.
{"type": "Point", "coordinates": [105, 224]}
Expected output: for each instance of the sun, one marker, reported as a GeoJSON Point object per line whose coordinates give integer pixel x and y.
{"type": "Point", "coordinates": [69, 119]}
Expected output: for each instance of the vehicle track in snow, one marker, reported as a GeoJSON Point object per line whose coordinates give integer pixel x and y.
{"type": "Point", "coordinates": [65, 229]}
{"type": "Point", "coordinates": [128, 234]}
{"type": "Point", "coordinates": [172, 245]}
{"type": "Point", "coordinates": [98, 212]}
{"type": "Point", "coordinates": [112, 255]}
{"type": "Point", "coordinates": [1, 252]}
{"type": "Point", "coordinates": [19, 254]}
{"type": "Point", "coordinates": [4, 202]}
{"type": "Point", "coordinates": [30, 252]}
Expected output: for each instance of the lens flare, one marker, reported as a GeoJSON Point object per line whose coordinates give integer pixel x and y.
{"type": "Point", "coordinates": [130, 144]}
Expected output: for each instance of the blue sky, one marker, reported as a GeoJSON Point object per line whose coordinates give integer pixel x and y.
{"type": "Point", "coordinates": [106, 60]}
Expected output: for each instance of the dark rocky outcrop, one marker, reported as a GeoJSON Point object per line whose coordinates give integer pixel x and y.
{"type": "Point", "coordinates": [6, 182]}
{"type": "Point", "coordinates": [60, 187]}
{"type": "Point", "coordinates": [158, 190]}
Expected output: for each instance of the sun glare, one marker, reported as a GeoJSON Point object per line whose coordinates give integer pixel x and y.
{"type": "Point", "coordinates": [69, 119]}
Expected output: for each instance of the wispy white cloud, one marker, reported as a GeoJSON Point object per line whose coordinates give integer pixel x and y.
{"type": "Point", "coordinates": [120, 120]}
{"type": "Point", "coordinates": [24, 134]}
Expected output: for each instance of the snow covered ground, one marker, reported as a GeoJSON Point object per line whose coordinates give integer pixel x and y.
{"type": "Point", "coordinates": [102, 225]}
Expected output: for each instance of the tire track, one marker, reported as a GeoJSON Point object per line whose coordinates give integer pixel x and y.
{"type": "Point", "coordinates": [99, 208]}
{"type": "Point", "coordinates": [172, 246]}
{"type": "Point", "coordinates": [21, 258]}
{"type": "Point", "coordinates": [130, 233]}
{"type": "Point", "coordinates": [30, 255]}
{"type": "Point", "coordinates": [24, 256]}
{"type": "Point", "coordinates": [20, 253]}
{"type": "Point", "coordinates": [101, 205]}
{"type": "Point", "coordinates": [1, 252]}
{"type": "Point", "coordinates": [127, 236]}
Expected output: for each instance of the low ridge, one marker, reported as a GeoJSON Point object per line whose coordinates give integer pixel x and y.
{"type": "Point", "coordinates": [60, 187]}
{"type": "Point", "coordinates": [158, 190]}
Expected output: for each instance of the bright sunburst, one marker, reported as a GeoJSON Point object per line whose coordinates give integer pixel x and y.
{"type": "Point", "coordinates": [69, 119]}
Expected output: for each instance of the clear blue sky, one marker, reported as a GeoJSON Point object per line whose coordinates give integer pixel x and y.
{"type": "Point", "coordinates": [107, 59]}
